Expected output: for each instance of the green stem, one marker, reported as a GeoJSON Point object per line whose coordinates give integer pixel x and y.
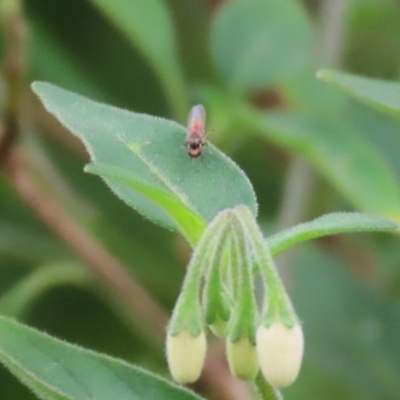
{"type": "Point", "coordinates": [214, 233]}
{"type": "Point", "coordinates": [187, 314]}
{"type": "Point", "coordinates": [265, 390]}
{"type": "Point", "coordinates": [263, 255]}
{"type": "Point", "coordinates": [247, 308]}
{"type": "Point", "coordinates": [21, 296]}
{"type": "Point", "coordinates": [277, 303]}
{"type": "Point", "coordinates": [215, 301]}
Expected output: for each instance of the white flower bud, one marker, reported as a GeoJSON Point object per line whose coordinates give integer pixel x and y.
{"type": "Point", "coordinates": [280, 351]}
{"type": "Point", "coordinates": [185, 355]}
{"type": "Point", "coordinates": [242, 359]}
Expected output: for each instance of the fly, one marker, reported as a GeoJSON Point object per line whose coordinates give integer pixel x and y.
{"type": "Point", "coordinates": [195, 139]}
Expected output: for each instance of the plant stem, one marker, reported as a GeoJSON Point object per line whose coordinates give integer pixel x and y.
{"type": "Point", "coordinates": [13, 70]}
{"type": "Point", "coordinates": [330, 47]}
{"type": "Point", "coordinates": [19, 297]}
{"type": "Point", "coordinates": [99, 262]}
{"type": "Point", "coordinates": [299, 184]}
{"type": "Point", "coordinates": [265, 390]}
{"type": "Point", "coordinates": [300, 178]}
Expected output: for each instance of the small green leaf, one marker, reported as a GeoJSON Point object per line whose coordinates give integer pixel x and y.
{"type": "Point", "coordinates": [148, 24]}
{"type": "Point", "coordinates": [381, 94]}
{"type": "Point", "coordinates": [329, 224]}
{"type": "Point", "coordinates": [150, 152]}
{"type": "Point", "coordinates": [259, 43]}
{"type": "Point", "coordinates": [55, 370]}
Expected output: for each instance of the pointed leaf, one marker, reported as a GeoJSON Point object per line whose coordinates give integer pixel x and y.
{"type": "Point", "coordinates": [329, 224]}
{"type": "Point", "coordinates": [339, 152]}
{"type": "Point", "coordinates": [56, 370]}
{"type": "Point", "coordinates": [259, 43]}
{"type": "Point", "coordinates": [381, 94]}
{"type": "Point", "coordinates": [151, 152]}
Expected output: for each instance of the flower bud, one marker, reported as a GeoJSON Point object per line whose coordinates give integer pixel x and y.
{"type": "Point", "coordinates": [242, 358]}
{"type": "Point", "coordinates": [186, 354]}
{"type": "Point", "coordinates": [280, 351]}
{"type": "Point", "coordinates": [219, 327]}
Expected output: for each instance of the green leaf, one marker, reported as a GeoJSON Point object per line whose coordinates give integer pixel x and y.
{"type": "Point", "coordinates": [338, 151]}
{"type": "Point", "coordinates": [149, 152]}
{"type": "Point", "coordinates": [351, 329]}
{"type": "Point", "coordinates": [188, 221]}
{"type": "Point", "coordinates": [55, 370]}
{"type": "Point", "coordinates": [329, 224]}
{"type": "Point", "coordinates": [259, 43]}
{"type": "Point", "coordinates": [148, 24]}
{"type": "Point", "coordinates": [383, 95]}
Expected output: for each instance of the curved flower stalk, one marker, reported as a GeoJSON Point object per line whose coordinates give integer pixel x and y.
{"type": "Point", "coordinates": [280, 342]}
{"type": "Point", "coordinates": [224, 259]}
{"type": "Point", "coordinates": [186, 336]}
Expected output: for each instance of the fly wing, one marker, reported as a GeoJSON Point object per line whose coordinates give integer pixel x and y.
{"type": "Point", "coordinates": [196, 120]}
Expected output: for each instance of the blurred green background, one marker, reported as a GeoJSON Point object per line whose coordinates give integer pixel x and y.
{"type": "Point", "coordinates": [311, 150]}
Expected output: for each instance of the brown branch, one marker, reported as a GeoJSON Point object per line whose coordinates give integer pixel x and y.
{"type": "Point", "coordinates": [224, 386]}
{"type": "Point", "coordinates": [99, 262]}
{"type": "Point", "coordinates": [13, 71]}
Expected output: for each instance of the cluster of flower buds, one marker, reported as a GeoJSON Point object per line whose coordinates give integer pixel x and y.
{"type": "Point", "coordinates": [218, 291]}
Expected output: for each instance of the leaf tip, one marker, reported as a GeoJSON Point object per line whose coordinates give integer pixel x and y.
{"type": "Point", "coordinates": [323, 75]}
{"type": "Point", "coordinates": [89, 168]}
{"type": "Point", "coordinates": [37, 85]}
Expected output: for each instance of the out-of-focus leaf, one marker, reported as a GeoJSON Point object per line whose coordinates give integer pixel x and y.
{"type": "Point", "coordinates": [384, 95]}
{"type": "Point", "coordinates": [21, 296]}
{"type": "Point", "coordinates": [352, 332]}
{"type": "Point", "coordinates": [373, 38]}
{"type": "Point", "coordinates": [304, 92]}
{"type": "Point", "coordinates": [148, 25]}
{"type": "Point", "coordinates": [55, 370]}
{"type": "Point", "coordinates": [382, 132]}
{"type": "Point", "coordinates": [48, 59]}
{"type": "Point", "coordinates": [329, 224]}
{"type": "Point", "coordinates": [336, 149]}
{"type": "Point", "coordinates": [151, 151]}
{"type": "Point", "coordinates": [259, 43]}
{"type": "Point", "coordinates": [38, 248]}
